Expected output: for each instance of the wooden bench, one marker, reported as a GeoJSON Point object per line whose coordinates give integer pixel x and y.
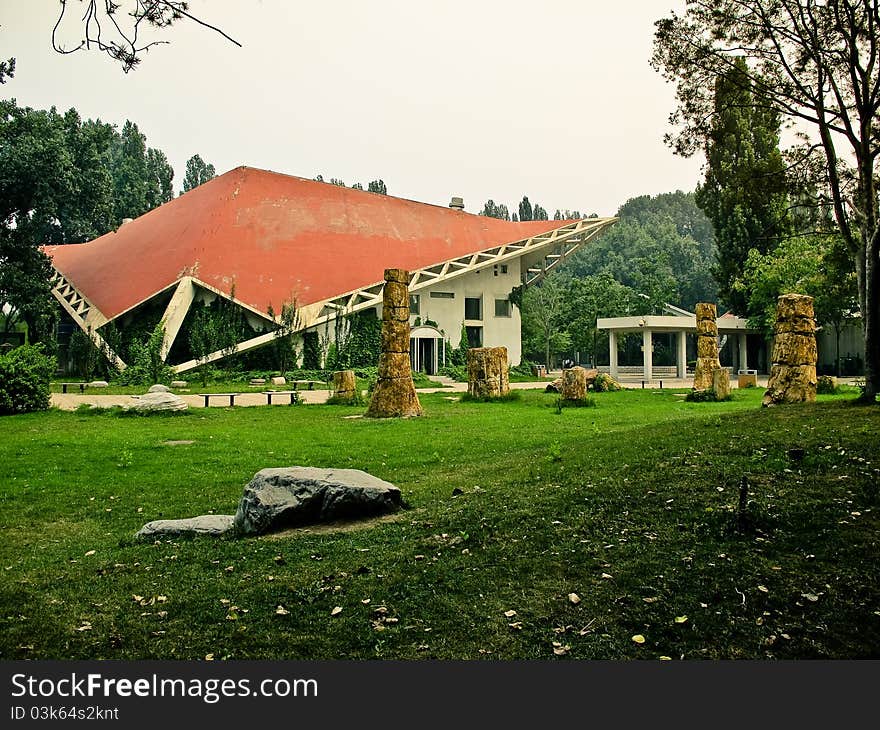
{"type": "Point", "coordinates": [294, 395]}
{"type": "Point", "coordinates": [82, 387]}
{"type": "Point", "coordinates": [208, 396]}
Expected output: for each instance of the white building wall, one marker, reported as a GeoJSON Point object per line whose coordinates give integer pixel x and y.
{"type": "Point", "coordinates": [490, 283]}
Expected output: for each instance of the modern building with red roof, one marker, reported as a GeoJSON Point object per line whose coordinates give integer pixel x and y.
{"type": "Point", "coordinates": [262, 240]}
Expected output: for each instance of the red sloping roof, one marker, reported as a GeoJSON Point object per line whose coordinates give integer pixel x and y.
{"type": "Point", "coordinates": [277, 237]}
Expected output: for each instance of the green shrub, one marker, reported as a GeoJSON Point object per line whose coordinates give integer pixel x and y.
{"type": "Point", "coordinates": [827, 385]}
{"type": "Point", "coordinates": [24, 380]}
{"type": "Point", "coordinates": [457, 373]}
{"type": "Point", "coordinates": [147, 366]}
{"type": "Point", "coordinates": [705, 396]}
{"type": "Point", "coordinates": [604, 383]}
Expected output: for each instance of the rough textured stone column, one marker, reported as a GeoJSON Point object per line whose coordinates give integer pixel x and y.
{"type": "Point", "coordinates": [345, 386]}
{"type": "Point", "coordinates": [707, 346]}
{"type": "Point", "coordinates": [793, 374]}
{"type": "Point", "coordinates": [574, 384]}
{"type": "Point", "coordinates": [395, 395]}
{"type": "Point", "coordinates": [487, 372]}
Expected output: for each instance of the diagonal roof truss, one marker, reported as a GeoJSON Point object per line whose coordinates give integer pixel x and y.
{"type": "Point", "coordinates": [556, 246]}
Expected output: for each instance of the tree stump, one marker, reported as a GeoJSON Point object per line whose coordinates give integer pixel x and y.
{"type": "Point", "coordinates": [395, 395]}
{"type": "Point", "coordinates": [345, 386]}
{"type": "Point", "coordinates": [721, 383]}
{"type": "Point", "coordinates": [793, 373]}
{"type": "Point", "coordinates": [707, 346]}
{"type": "Point", "coordinates": [487, 372]}
{"type": "Point", "coordinates": [574, 384]}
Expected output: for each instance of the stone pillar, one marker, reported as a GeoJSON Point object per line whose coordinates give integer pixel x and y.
{"type": "Point", "coordinates": [648, 354]}
{"type": "Point", "coordinates": [487, 372]}
{"type": "Point", "coordinates": [345, 386]}
{"type": "Point", "coordinates": [707, 346]}
{"type": "Point", "coordinates": [793, 374]}
{"type": "Point", "coordinates": [681, 357]}
{"type": "Point", "coordinates": [395, 395]}
{"type": "Point", "coordinates": [743, 352]}
{"type": "Point", "coordinates": [612, 353]}
{"type": "Point", "coordinates": [574, 384]}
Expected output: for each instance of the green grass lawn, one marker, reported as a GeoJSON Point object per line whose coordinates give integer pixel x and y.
{"type": "Point", "coordinates": [512, 507]}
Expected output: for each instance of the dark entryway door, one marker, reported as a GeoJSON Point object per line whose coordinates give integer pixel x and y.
{"type": "Point", "coordinates": [426, 355]}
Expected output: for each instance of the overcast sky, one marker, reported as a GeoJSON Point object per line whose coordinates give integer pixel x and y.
{"type": "Point", "coordinates": [483, 99]}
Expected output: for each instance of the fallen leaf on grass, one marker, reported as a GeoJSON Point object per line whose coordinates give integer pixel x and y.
{"type": "Point", "coordinates": [510, 614]}
{"type": "Point", "coordinates": [607, 576]}
{"type": "Point", "coordinates": [86, 626]}
{"type": "Point", "coordinates": [681, 619]}
{"type": "Point", "coordinates": [574, 599]}
{"type": "Point", "coordinates": [90, 552]}
{"type": "Point", "coordinates": [281, 611]}
{"type": "Point", "coordinates": [763, 589]}
{"type": "Point", "coordinates": [559, 649]}
{"type": "Point", "coordinates": [638, 639]}
{"type": "Point", "coordinates": [516, 625]}
{"type": "Point", "coordinates": [336, 611]}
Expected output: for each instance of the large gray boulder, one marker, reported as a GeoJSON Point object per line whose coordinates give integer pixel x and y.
{"type": "Point", "coordinates": [299, 495]}
{"type": "Point", "coordinates": [158, 388]}
{"type": "Point", "coordinates": [158, 401]}
{"type": "Point", "coordinates": [211, 525]}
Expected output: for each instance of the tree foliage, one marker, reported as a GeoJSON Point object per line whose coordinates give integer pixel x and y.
{"type": "Point", "coordinates": [493, 210]}
{"type": "Point", "coordinates": [662, 247]}
{"type": "Point", "coordinates": [745, 191]}
{"type": "Point", "coordinates": [817, 64]}
{"type": "Point", "coordinates": [198, 172]}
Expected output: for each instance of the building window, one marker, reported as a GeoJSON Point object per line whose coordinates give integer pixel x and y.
{"type": "Point", "coordinates": [414, 304]}
{"type": "Point", "coordinates": [502, 308]}
{"type": "Point", "coordinates": [503, 268]}
{"type": "Point", "coordinates": [473, 308]}
{"type": "Point", "coordinates": [474, 336]}
{"type": "Point", "coordinates": [442, 295]}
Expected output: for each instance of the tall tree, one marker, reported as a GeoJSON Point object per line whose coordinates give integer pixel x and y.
{"type": "Point", "coordinates": [198, 172]}
{"type": "Point", "coordinates": [129, 166]}
{"type": "Point", "coordinates": [543, 313]}
{"type": "Point", "coordinates": [525, 209]}
{"type": "Point", "coordinates": [816, 63]}
{"type": "Point", "coordinates": [539, 214]}
{"type": "Point", "coordinates": [160, 174]}
{"type": "Point", "coordinates": [745, 192]}
{"type": "Point", "coordinates": [492, 210]}
{"type": "Point", "coordinates": [377, 186]}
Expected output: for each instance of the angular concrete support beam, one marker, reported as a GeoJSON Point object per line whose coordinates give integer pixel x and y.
{"type": "Point", "coordinates": [176, 311]}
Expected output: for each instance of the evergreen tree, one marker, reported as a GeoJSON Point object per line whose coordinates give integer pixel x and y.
{"type": "Point", "coordinates": [198, 172]}
{"type": "Point", "coordinates": [377, 186]}
{"type": "Point", "coordinates": [491, 210]}
{"type": "Point", "coordinates": [525, 209]}
{"type": "Point", "coordinates": [745, 190]}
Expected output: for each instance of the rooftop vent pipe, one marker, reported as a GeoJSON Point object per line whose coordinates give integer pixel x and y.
{"type": "Point", "coordinates": [457, 203]}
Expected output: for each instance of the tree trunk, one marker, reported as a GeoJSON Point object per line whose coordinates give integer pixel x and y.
{"type": "Point", "coordinates": [871, 317]}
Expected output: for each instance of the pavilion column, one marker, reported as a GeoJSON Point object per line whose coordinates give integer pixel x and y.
{"type": "Point", "coordinates": [681, 358]}
{"type": "Point", "coordinates": [743, 352]}
{"type": "Point", "coordinates": [648, 353]}
{"type": "Point", "coordinates": [612, 352]}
